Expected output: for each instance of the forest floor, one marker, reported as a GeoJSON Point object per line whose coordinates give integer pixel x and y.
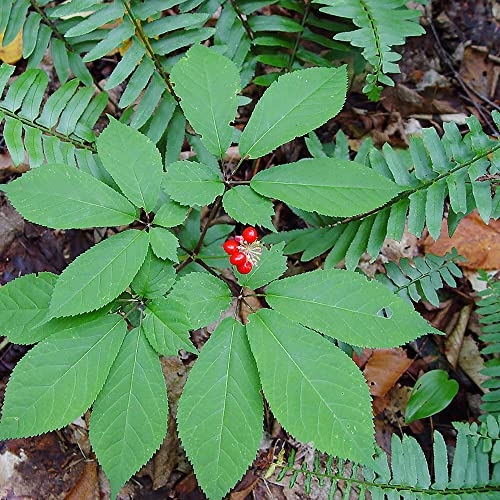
{"type": "Point", "coordinates": [442, 75]}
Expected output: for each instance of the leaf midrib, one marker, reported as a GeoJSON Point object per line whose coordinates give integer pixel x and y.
{"type": "Point", "coordinates": [67, 198]}
{"type": "Point", "coordinates": [61, 306]}
{"type": "Point", "coordinates": [326, 186]}
{"type": "Point", "coordinates": [104, 336]}
{"type": "Point", "coordinates": [331, 306]}
{"type": "Point", "coordinates": [339, 420]}
{"type": "Point", "coordinates": [285, 115]}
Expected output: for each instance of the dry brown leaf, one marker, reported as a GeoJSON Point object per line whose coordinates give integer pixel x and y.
{"type": "Point", "coordinates": [87, 487]}
{"type": "Point", "coordinates": [477, 242]}
{"type": "Point", "coordinates": [384, 368]}
{"type": "Point", "coordinates": [471, 362]}
{"type": "Point", "coordinates": [13, 52]}
{"type": "Point", "coordinates": [454, 341]}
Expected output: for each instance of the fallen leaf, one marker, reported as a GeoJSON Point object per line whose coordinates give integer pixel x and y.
{"type": "Point", "coordinates": [477, 242]}
{"type": "Point", "coordinates": [87, 486]}
{"type": "Point", "coordinates": [454, 341]}
{"type": "Point", "coordinates": [13, 52]}
{"type": "Point", "coordinates": [384, 368]}
{"type": "Point", "coordinates": [472, 363]}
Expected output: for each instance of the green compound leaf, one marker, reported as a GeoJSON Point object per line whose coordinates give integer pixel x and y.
{"type": "Point", "coordinates": [166, 325]}
{"type": "Point", "coordinates": [220, 410]}
{"type": "Point", "coordinates": [328, 186]}
{"type": "Point", "coordinates": [271, 266]}
{"type": "Point", "coordinates": [432, 393]}
{"type": "Point", "coordinates": [170, 213]}
{"type": "Point", "coordinates": [64, 197]}
{"type": "Point", "coordinates": [208, 84]}
{"type": "Point", "coordinates": [191, 183]}
{"type": "Point", "coordinates": [244, 205]}
{"type": "Point", "coordinates": [129, 419]}
{"type": "Point", "coordinates": [100, 274]}
{"type": "Point", "coordinates": [349, 308]}
{"type": "Point", "coordinates": [133, 161]}
{"type": "Point", "coordinates": [57, 380]}
{"type": "Point", "coordinates": [203, 295]}
{"type": "Point", "coordinates": [292, 106]}
{"type": "Point", "coordinates": [155, 277]}
{"type": "Point", "coordinates": [24, 303]}
{"type": "Point", "coordinates": [315, 390]}
{"type": "Point", "coordinates": [164, 243]}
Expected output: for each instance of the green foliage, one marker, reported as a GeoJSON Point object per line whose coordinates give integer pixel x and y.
{"type": "Point", "coordinates": [167, 327]}
{"type": "Point", "coordinates": [423, 278]}
{"type": "Point", "coordinates": [318, 382]}
{"type": "Point", "coordinates": [101, 325]}
{"type": "Point", "coordinates": [24, 304]}
{"type": "Point", "coordinates": [134, 163]}
{"type": "Point", "coordinates": [408, 475]}
{"type": "Point", "coordinates": [52, 399]}
{"type": "Point", "coordinates": [221, 410]}
{"type": "Point", "coordinates": [292, 106]}
{"type": "Point", "coordinates": [454, 166]}
{"type": "Point", "coordinates": [63, 197]}
{"type": "Point", "coordinates": [271, 266]}
{"type": "Point", "coordinates": [350, 308]}
{"type": "Point", "coordinates": [60, 131]}
{"type": "Point", "coordinates": [154, 278]}
{"type": "Point", "coordinates": [191, 183]}
{"type": "Point", "coordinates": [216, 76]}
{"type": "Point", "coordinates": [326, 186]}
{"type": "Point", "coordinates": [203, 296]}
{"type": "Point", "coordinates": [99, 275]}
{"type": "Point", "coordinates": [382, 25]}
{"type": "Point", "coordinates": [489, 310]}
{"type": "Point", "coordinates": [244, 205]}
{"type": "Point", "coordinates": [129, 418]}
{"type": "Point", "coordinates": [432, 393]}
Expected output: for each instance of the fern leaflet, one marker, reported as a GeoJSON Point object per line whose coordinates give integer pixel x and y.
{"type": "Point", "coordinates": [489, 310]}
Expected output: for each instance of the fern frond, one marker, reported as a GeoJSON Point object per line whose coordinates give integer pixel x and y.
{"type": "Point", "coordinates": [60, 131]}
{"type": "Point", "coordinates": [474, 469]}
{"type": "Point", "coordinates": [382, 25]}
{"type": "Point", "coordinates": [489, 310]}
{"type": "Point", "coordinates": [432, 170]}
{"type": "Point", "coordinates": [423, 278]}
{"type": "Point", "coordinates": [39, 33]}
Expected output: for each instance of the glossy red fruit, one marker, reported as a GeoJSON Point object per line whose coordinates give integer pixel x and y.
{"type": "Point", "coordinates": [245, 268]}
{"type": "Point", "coordinates": [230, 247]}
{"type": "Point", "coordinates": [237, 259]}
{"type": "Point", "coordinates": [249, 234]}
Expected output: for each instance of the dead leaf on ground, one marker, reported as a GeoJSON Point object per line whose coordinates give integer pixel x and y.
{"type": "Point", "coordinates": [87, 486]}
{"type": "Point", "coordinates": [472, 363]}
{"type": "Point", "coordinates": [170, 454]}
{"type": "Point", "coordinates": [384, 368]}
{"type": "Point", "coordinates": [477, 242]}
{"type": "Point", "coordinates": [454, 341]}
{"type": "Point", "coordinates": [13, 52]}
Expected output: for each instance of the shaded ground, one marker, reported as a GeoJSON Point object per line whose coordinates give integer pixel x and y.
{"type": "Point", "coordinates": [449, 73]}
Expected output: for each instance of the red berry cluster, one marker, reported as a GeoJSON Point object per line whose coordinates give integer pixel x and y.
{"type": "Point", "coordinates": [245, 250]}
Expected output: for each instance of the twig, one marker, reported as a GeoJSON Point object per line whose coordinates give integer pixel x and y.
{"type": "Point", "coordinates": [468, 89]}
{"type": "Point", "coordinates": [298, 38]}
{"type": "Point", "coordinates": [243, 19]}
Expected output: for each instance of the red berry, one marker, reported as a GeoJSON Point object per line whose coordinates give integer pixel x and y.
{"type": "Point", "coordinates": [245, 268]}
{"type": "Point", "coordinates": [238, 259]}
{"type": "Point", "coordinates": [230, 247]}
{"type": "Point", "coordinates": [249, 234]}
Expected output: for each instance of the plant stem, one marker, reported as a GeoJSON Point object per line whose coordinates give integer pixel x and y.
{"type": "Point", "coordinates": [48, 22]}
{"type": "Point", "coordinates": [48, 131]}
{"type": "Point", "coordinates": [149, 50]}
{"type": "Point", "coordinates": [243, 19]}
{"type": "Point", "coordinates": [298, 38]}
